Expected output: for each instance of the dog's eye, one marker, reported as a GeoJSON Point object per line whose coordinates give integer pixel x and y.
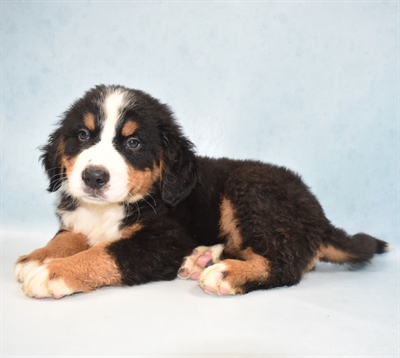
{"type": "Point", "coordinates": [133, 143]}
{"type": "Point", "coordinates": [83, 135]}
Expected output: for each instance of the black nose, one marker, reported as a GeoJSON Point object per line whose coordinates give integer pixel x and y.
{"type": "Point", "coordinates": [95, 177]}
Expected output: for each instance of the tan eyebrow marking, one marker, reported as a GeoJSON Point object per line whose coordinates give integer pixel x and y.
{"type": "Point", "coordinates": [129, 128]}
{"type": "Point", "coordinates": [88, 119]}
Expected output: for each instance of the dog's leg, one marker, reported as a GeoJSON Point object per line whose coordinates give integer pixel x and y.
{"type": "Point", "coordinates": [82, 272]}
{"type": "Point", "coordinates": [254, 256]}
{"type": "Point", "coordinates": [201, 258]}
{"type": "Point", "coordinates": [234, 276]}
{"type": "Point", "coordinates": [65, 243]}
{"type": "Point", "coordinates": [151, 254]}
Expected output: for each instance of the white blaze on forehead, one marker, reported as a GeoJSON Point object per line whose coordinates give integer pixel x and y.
{"type": "Point", "coordinates": [112, 109]}
{"type": "Point", "coordinates": [112, 106]}
{"type": "Point", "coordinates": [105, 154]}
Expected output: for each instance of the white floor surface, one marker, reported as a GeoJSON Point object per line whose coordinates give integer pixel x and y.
{"type": "Point", "coordinates": [333, 312]}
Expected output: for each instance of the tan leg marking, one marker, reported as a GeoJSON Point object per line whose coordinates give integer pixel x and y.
{"type": "Point", "coordinates": [64, 244]}
{"type": "Point", "coordinates": [89, 121]}
{"type": "Point", "coordinates": [331, 254]}
{"type": "Point", "coordinates": [86, 270]}
{"type": "Point", "coordinates": [228, 227]}
{"type": "Point", "coordinates": [129, 128]}
{"type": "Point", "coordinates": [83, 272]}
{"type": "Point", "coordinates": [229, 276]}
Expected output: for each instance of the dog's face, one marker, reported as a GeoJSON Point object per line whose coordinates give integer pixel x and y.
{"type": "Point", "coordinates": [115, 145]}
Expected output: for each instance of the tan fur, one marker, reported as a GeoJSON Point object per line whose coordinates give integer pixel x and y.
{"type": "Point", "coordinates": [60, 157]}
{"type": "Point", "coordinates": [311, 264]}
{"type": "Point", "coordinates": [64, 244]}
{"type": "Point", "coordinates": [88, 119]}
{"type": "Point", "coordinates": [141, 181]}
{"type": "Point", "coordinates": [254, 268]}
{"type": "Point", "coordinates": [68, 164]}
{"type": "Point", "coordinates": [129, 231]}
{"type": "Point", "coordinates": [86, 270]}
{"type": "Point", "coordinates": [251, 267]}
{"type": "Point", "coordinates": [129, 128]}
{"type": "Point", "coordinates": [332, 254]}
{"type": "Point", "coordinates": [228, 227]}
{"type": "Point", "coordinates": [162, 164]}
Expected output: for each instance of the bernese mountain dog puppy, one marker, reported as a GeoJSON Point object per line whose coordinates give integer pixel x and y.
{"type": "Point", "coordinates": [136, 204]}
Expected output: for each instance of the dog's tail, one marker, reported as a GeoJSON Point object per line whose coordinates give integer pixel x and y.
{"type": "Point", "coordinates": [339, 247]}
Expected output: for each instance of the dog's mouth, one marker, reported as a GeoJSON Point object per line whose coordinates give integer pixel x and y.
{"type": "Point", "coordinates": [94, 195]}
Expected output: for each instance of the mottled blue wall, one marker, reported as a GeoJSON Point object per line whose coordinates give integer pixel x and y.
{"type": "Point", "coordinates": [309, 85]}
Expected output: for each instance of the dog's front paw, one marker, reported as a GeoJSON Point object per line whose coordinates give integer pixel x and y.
{"type": "Point", "coordinates": [27, 263]}
{"type": "Point", "coordinates": [42, 282]}
{"type": "Point", "coordinates": [201, 257]}
{"type": "Point", "coordinates": [22, 269]}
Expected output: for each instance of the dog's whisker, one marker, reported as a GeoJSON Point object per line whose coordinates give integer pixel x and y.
{"type": "Point", "coordinates": [58, 181]}
{"type": "Point", "coordinates": [129, 210]}
{"type": "Point", "coordinates": [143, 198]}
{"type": "Point", "coordinates": [154, 200]}
{"type": "Point", "coordinates": [138, 210]}
{"type": "Point", "coordinates": [264, 214]}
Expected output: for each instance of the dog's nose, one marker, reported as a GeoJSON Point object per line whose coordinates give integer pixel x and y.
{"type": "Point", "coordinates": [95, 177]}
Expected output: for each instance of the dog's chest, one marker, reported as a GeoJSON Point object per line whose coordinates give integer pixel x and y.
{"type": "Point", "coordinates": [98, 223]}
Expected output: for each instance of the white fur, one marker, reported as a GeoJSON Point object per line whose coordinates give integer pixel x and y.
{"type": "Point", "coordinates": [37, 284]}
{"type": "Point", "coordinates": [190, 262]}
{"type": "Point", "coordinates": [21, 270]}
{"type": "Point", "coordinates": [216, 252]}
{"type": "Point", "coordinates": [58, 288]}
{"type": "Point", "coordinates": [98, 222]}
{"type": "Point", "coordinates": [103, 153]}
{"type": "Point", "coordinates": [212, 277]}
{"type": "Point", "coordinates": [388, 248]}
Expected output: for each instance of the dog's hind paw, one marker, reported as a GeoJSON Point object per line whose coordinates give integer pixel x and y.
{"type": "Point", "coordinates": [212, 281]}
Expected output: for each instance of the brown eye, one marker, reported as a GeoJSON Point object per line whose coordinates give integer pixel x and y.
{"type": "Point", "coordinates": [133, 143]}
{"type": "Point", "coordinates": [83, 135]}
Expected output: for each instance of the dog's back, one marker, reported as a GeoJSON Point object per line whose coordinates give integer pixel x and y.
{"type": "Point", "coordinates": [135, 200]}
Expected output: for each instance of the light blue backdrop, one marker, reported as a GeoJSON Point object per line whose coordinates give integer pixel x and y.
{"type": "Point", "coordinates": [309, 85]}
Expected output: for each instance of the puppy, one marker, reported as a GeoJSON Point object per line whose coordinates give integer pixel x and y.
{"type": "Point", "coordinates": [137, 205]}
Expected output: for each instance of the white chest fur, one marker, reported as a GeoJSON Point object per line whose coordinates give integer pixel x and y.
{"type": "Point", "coordinates": [99, 223]}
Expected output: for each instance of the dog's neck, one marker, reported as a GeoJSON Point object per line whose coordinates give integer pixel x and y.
{"type": "Point", "coordinates": [97, 222]}
{"type": "Point", "coordinates": [104, 222]}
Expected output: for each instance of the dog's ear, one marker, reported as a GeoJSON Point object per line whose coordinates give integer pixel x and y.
{"type": "Point", "coordinates": [52, 160]}
{"type": "Point", "coordinates": [178, 164]}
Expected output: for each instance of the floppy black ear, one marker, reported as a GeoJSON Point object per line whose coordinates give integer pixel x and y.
{"type": "Point", "coordinates": [179, 167]}
{"type": "Point", "coordinates": [51, 160]}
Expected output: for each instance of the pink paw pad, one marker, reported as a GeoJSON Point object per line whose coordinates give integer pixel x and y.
{"type": "Point", "coordinates": [194, 275]}
{"type": "Point", "coordinates": [204, 260]}
{"type": "Point", "coordinates": [210, 289]}
{"type": "Point", "coordinates": [200, 258]}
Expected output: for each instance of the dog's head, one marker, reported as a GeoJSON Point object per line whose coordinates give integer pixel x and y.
{"type": "Point", "coordinates": [116, 145]}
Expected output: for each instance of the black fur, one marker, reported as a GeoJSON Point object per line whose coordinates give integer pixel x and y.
{"type": "Point", "coordinates": [277, 216]}
{"type": "Point", "coordinates": [51, 160]}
